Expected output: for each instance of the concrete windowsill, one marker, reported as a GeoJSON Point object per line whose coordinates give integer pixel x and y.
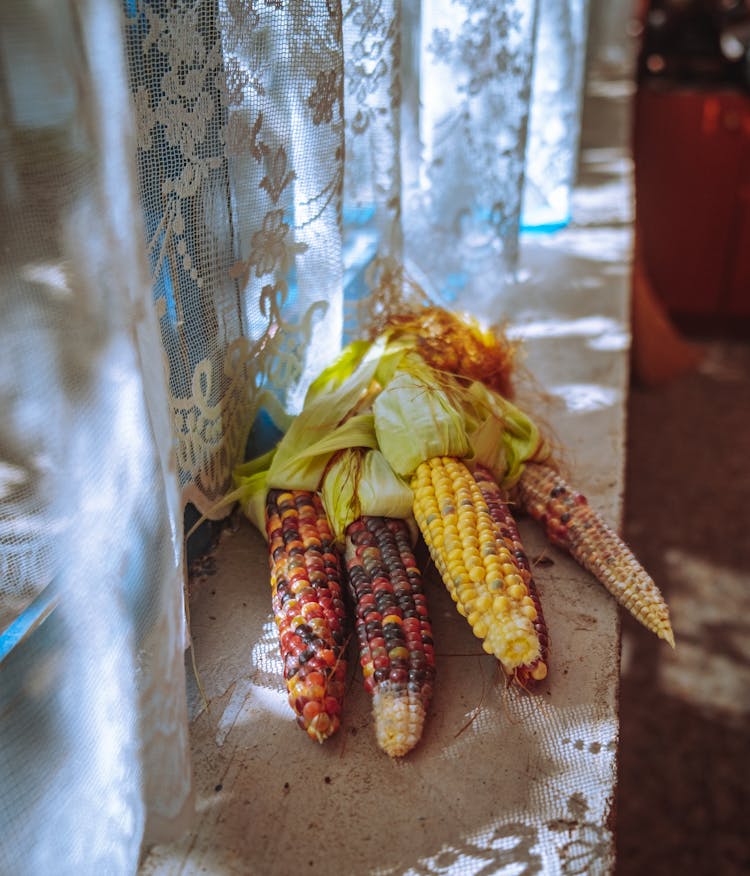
{"type": "Point", "coordinates": [502, 781]}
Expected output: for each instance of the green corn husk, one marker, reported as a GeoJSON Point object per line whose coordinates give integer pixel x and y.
{"type": "Point", "coordinates": [300, 463]}
{"type": "Point", "coordinates": [348, 364]}
{"type": "Point", "coordinates": [371, 417]}
{"type": "Point", "coordinates": [361, 483]}
{"type": "Point", "coordinates": [295, 465]}
{"type": "Point", "coordinates": [328, 424]}
{"type": "Point", "coordinates": [502, 436]}
{"type": "Point", "coordinates": [416, 418]}
{"type": "Point", "coordinates": [361, 366]}
{"type": "Point", "coordinates": [250, 487]}
{"type": "Point", "coordinates": [328, 421]}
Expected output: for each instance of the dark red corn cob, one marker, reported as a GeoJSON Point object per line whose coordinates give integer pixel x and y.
{"type": "Point", "coordinates": [507, 532]}
{"type": "Point", "coordinates": [307, 597]}
{"type": "Point", "coordinates": [393, 629]}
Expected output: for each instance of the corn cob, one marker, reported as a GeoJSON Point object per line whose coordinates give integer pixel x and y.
{"type": "Point", "coordinates": [477, 568]}
{"type": "Point", "coordinates": [574, 526]}
{"type": "Point", "coordinates": [393, 629]}
{"type": "Point", "coordinates": [510, 538]}
{"type": "Point", "coordinates": [307, 597]}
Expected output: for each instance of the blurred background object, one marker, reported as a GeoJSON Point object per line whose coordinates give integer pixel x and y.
{"type": "Point", "coordinates": [692, 161]}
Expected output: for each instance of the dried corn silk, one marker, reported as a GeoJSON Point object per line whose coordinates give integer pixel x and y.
{"type": "Point", "coordinates": [459, 346]}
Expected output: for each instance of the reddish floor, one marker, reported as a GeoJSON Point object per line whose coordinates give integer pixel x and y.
{"type": "Point", "coordinates": [684, 786]}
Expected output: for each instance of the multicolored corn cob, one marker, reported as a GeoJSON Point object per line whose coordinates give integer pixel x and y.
{"type": "Point", "coordinates": [510, 538]}
{"type": "Point", "coordinates": [573, 525]}
{"type": "Point", "coordinates": [477, 568]}
{"type": "Point", "coordinates": [307, 597]}
{"type": "Point", "coordinates": [393, 629]}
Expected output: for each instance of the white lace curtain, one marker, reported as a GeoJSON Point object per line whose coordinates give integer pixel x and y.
{"type": "Point", "coordinates": [201, 200]}
{"type": "Point", "coordinates": [291, 157]}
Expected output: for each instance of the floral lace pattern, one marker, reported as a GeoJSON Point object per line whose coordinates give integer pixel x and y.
{"type": "Point", "coordinates": [285, 146]}
{"type": "Point", "coordinates": [239, 232]}
{"type": "Point", "coordinates": [464, 206]}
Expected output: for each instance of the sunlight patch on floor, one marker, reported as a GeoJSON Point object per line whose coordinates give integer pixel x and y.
{"type": "Point", "coordinates": [585, 326]}
{"type": "Point", "coordinates": [710, 607]}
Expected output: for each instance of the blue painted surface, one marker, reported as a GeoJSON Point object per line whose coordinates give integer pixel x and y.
{"type": "Point", "coordinates": [264, 435]}
{"type": "Point", "coordinates": [454, 284]}
{"type": "Point", "coordinates": [27, 621]}
{"type": "Point", "coordinates": [545, 228]}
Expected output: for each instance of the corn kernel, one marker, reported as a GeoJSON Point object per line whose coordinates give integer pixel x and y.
{"type": "Point", "coordinates": [516, 591]}
{"type": "Point", "coordinates": [477, 573]}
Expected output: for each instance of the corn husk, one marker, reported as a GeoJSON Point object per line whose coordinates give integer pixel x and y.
{"type": "Point", "coordinates": [250, 487]}
{"type": "Point", "coordinates": [361, 483]}
{"type": "Point", "coordinates": [300, 461]}
{"type": "Point", "coordinates": [349, 363]}
{"type": "Point", "coordinates": [359, 371]}
{"type": "Point", "coordinates": [378, 411]}
{"type": "Point", "coordinates": [328, 424]}
{"type": "Point", "coordinates": [416, 418]}
{"type": "Point", "coordinates": [502, 436]}
{"type": "Point", "coordinates": [328, 421]}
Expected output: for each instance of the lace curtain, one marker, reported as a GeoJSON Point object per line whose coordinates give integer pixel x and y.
{"type": "Point", "coordinates": [291, 157]}
{"type": "Point", "coordinates": [202, 200]}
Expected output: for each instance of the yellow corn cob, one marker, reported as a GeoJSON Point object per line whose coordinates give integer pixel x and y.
{"type": "Point", "coordinates": [510, 537]}
{"type": "Point", "coordinates": [306, 586]}
{"type": "Point", "coordinates": [393, 629]}
{"type": "Point", "coordinates": [477, 569]}
{"type": "Point", "coordinates": [573, 525]}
